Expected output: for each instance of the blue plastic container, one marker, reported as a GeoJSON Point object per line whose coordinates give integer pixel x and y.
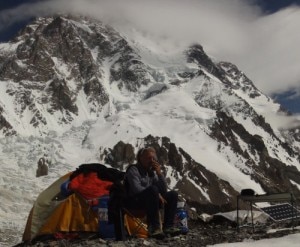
{"type": "Point", "coordinates": [64, 188]}
{"type": "Point", "coordinates": [106, 230]}
{"type": "Point", "coordinates": [181, 220]}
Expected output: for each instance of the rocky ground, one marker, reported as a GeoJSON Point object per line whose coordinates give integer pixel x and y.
{"type": "Point", "coordinates": [200, 234]}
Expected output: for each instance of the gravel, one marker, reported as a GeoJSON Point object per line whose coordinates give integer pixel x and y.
{"type": "Point", "coordinates": [200, 234]}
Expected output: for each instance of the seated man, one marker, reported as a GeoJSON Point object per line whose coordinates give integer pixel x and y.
{"type": "Point", "coordinates": [148, 190]}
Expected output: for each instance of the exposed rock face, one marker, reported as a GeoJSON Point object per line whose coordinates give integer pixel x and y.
{"type": "Point", "coordinates": [55, 63]}
{"type": "Point", "coordinates": [129, 71]}
{"type": "Point", "coordinates": [200, 187]}
{"type": "Point", "coordinates": [275, 180]}
{"type": "Point", "coordinates": [196, 54]}
{"type": "Point", "coordinates": [203, 189]}
{"type": "Point", "coordinates": [42, 169]}
{"type": "Point", "coordinates": [5, 126]}
{"type": "Point", "coordinates": [238, 80]}
{"type": "Point", "coordinates": [121, 155]}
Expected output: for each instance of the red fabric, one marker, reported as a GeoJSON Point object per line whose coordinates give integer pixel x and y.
{"type": "Point", "coordinates": [89, 185]}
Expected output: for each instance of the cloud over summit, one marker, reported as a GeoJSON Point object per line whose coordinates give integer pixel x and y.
{"type": "Point", "coordinates": [263, 46]}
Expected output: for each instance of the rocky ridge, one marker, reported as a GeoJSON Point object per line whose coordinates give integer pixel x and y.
{"type": "Point", "coordinates": [193, 177]}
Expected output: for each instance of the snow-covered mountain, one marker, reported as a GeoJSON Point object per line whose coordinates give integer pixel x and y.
{"type": "Point", "coordinates": [74, 90]}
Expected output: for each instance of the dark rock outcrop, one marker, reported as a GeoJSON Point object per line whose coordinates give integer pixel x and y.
{"type": "Point", "coordinates": [200, 187]}
{"type": "Point", "coordinates": [271, 173]}
{"type": "Point", "coordinates": [42, 169]}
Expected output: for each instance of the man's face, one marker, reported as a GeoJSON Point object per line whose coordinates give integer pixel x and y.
{"type": "Point", "coordinates": [147, 158]}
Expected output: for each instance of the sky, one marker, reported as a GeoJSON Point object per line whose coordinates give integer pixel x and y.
{"type": "Point", "coordinates": [260, 36]}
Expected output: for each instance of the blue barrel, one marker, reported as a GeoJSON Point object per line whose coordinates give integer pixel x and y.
{"type": "Point", "coordinates": [106, 230]}
{"type": "Point", "coordinates": [181, 220]}
{"type": "Point", "coordinates": [64, 188]}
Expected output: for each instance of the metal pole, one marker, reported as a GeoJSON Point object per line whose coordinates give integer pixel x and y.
{"type": "Point", "coordinates": [237, 213]}
{"type": "Point", "coordinates": [292, 202]}
{"type": "Point", "coordinates": [252, 217]}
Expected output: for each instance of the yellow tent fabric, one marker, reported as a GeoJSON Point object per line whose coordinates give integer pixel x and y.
{"type": "Point", "coordinates": [136, 227]}
{"type": "Point", "coordinates": [51, 213]}
{"type": "Point", "coordinates": [72, 215]}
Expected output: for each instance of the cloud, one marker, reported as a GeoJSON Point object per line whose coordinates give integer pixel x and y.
{"type": "Point", "coordinates": [282, 121]}
{"type": "Point", "coordinates": [265, 47]}
{"type": "Point", "coordinates": [272, 60]}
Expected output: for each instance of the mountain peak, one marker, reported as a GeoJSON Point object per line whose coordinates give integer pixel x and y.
{"type": "Point", "coordinates": [74, 90]}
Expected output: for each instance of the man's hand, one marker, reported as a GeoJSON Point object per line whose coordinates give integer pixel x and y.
{"type": "Point", "coordinates": [156, 167]}
{"type": "Point", "coordinates": [162, 200]}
